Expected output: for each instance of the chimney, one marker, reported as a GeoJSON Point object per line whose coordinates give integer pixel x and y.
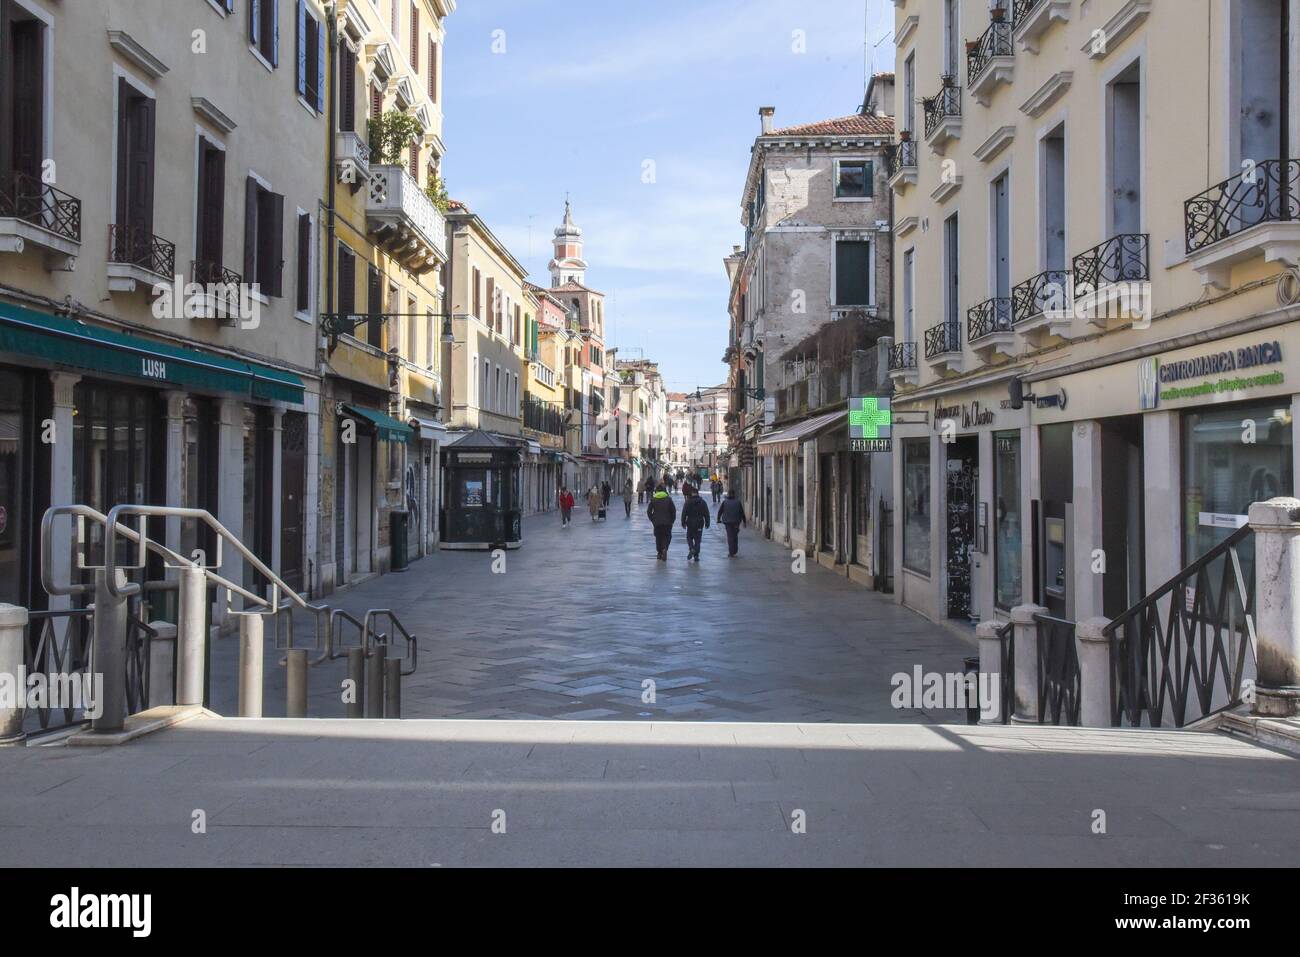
{"type": "Point", "coordinates": [766, 113]}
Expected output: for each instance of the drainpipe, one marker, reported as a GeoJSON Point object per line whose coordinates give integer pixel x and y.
{"type": "Point", "coordinates": [331, 187]}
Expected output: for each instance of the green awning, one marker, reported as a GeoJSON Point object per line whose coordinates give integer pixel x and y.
{"type": "Point", "coordinates": [388, 427]}
{"type": "Point", "coordinates": [70, 342]}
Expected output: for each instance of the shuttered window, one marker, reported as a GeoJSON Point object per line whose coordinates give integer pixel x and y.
{"type": "Point", "coordinates": [415, 38]}
{"type": "Point", "coordinates": [22, 92]}
{"type": "Point", "coordinates": [263, 238]}
{"type": "Point", "coordinates": [374, 308]}
{"type": "Point", "coordinates": [310, 58]}
{"type": "Point", "coordinates": [433, 69]}
{"type": "Point", "coordinates": [852, 273]}
{"type": "Point", "coordinates": [211, 205]}
{"type": "Point", "coordinates": [302, 303]}
{"type": "Point", "coordinates": [413, 166]}
{"type": "Point", "coordinates": [264, 29]}
{"type": "Point", "coordinates": [135, 162]}
{"type": "Point", "coordinates": [347, 281]}
{"type": "Point", "coordinates": [347, 90]}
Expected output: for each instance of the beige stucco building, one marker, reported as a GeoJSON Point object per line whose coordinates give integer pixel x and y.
{"type": "Point", "coordinates": [1095, 331]}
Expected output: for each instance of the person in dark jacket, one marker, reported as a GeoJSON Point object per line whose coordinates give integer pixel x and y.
{"type": "Point", "coordinates": [605, 492]}
{"type": "Point", "coordinates": [662, 513]}
{"type": "Point", "coordinates": [731, 515]}
{"type": "Point", "coordinates": [695, 519]}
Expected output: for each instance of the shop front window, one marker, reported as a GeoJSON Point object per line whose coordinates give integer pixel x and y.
{"type": "Point", "coordinates": [916, 505]}
{"type": "Point", "coordinates": [12, 505]}
{"type": "Point", "coordinates": [1009, 523]}
{"type": "Point", "coordinates": [1232, 457]}
{"type": "Point", "coordinates": [798, 489]}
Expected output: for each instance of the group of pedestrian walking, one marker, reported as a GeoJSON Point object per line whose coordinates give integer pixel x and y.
{"type": "Point", "coordinates": [696, 515]}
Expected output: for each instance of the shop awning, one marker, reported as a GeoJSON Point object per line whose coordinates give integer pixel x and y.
{"type": "Point", "coordinates": [534, 448]}
{"type": "Point", "coordinates": [428, 428]}
{"type": "Point", "coordinates": [787, 441]}
{"type": "Point", "coordinates": [70, 342]}
{"type": "Point", "coordinates": [388, 427]}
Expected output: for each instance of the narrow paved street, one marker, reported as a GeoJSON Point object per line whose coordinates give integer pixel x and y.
{"type": "Point", "coordinates": [582, 617]}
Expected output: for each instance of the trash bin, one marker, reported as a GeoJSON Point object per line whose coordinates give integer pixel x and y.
{"type": "Point", "coordinates": [399, 540]}
{"type": "Point", "coordinates": [973, 668]}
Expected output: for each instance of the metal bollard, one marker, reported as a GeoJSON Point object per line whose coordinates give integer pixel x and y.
{"type": "Point", "coordinates": [357, 676]}
{"type": "Point", "coordinates": [108, 653]}
{"type": "Point", "coordinates": [250, 666]}
{"type": "Point", "coordinates": [392, 687]}
{"type": "Point", "coordinates": [296, 680]}
{"type": "Point", "coordinates": [13, 622]}
{"type": "Point", "coordinates": [191, 636]}
{"type": "Point", "coordinates": [375, 683]}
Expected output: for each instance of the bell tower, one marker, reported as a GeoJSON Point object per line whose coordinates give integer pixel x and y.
{"type": "Point", "coordinates": [568, 263]}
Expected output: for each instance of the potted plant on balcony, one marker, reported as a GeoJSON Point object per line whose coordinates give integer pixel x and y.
{"type": "Point", "coordinates": [390, 134]}
{"type": "Point", "coordinates": [949, 79]}
{"type": "Point", "coordinates": [905, 136]}
{"type": "Point", "coordinates": [998, 14]}
{"type": "Point", "coordinates": [972, 46]}
{"type": "Point", "coordinates": [437, 192]}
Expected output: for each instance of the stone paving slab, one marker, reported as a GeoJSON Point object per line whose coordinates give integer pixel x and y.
{"type": "Point", "coordinates": [423, 793]}
{"type": "Point", "coordinates": [583, 616]}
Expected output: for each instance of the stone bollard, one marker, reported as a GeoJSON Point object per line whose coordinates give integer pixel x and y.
{"type": "Point", "coordinates": [192, 637]}
{"type": "Point", "coordinates": [250, 665]}
{"type": "Point", "coordinates": [1025, 706]}
{"type": "Point", "coordinates": [1093, 649]}
{"type": "Point", "coordinates": [13, 625]}
{"type": "Point", "coordinates": [1277, 606]}
{"type": "Point", "coordinates": [162, 664]}
{"type": "Point", "coordinates": [991, 657]}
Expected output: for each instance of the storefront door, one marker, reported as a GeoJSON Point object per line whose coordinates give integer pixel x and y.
{"type": "Point", "coordinates": [15, 487]}
{"type": "Point", "coordinates": [962, 488]}
{"type": "Point", "coordinates": [293, 487]}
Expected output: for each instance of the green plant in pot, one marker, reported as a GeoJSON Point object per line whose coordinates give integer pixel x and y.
{"type": "Point", "coordinates": [390, 135]}
{"type": "Point", "coordinates": [437, 193]}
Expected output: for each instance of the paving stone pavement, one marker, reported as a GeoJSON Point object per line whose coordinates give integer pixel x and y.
{"type": "Point", "coordinates": [582, 617]}
{"type": "Point", "coordinates": [601, 793]}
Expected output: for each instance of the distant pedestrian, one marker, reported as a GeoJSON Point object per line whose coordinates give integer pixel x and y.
{"type": "Point", "coordinates": [566, 506]}
{"type": "Point", "coordinates": [627, 497]}
{"type": "Point", "coordinates": [605, 492]}
{"type": "Point", "coordinates": [716, 487]}
{"type": "Point", "coordinates": [731, 515]}
{"type": "Point", "coordinates": [662, 513]}
{"type": "Point", "coordinates": [593, 502]}
{"type": "Point", "coordinates": [695, 519]}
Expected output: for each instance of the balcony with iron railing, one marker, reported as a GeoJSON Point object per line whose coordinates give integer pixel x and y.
{"type": "Point", "coordinates": [223, 290]}
{"type": "Point", "coordinates": [1041, 306]}
{"type": "Point", "coordinates": [404, 221]}
{"type": "Point", "coordinates": [943, 118]}
{"type": "Point", "coordinates": [989, 328]}
{"type": "Point", "coordinates": [37, 214]}
{"type": "Point", "coordinates": [990, 60]}
{"type": "Point", "coordinates": [1253, 214]}
{"type": "Point", "coordinates": [1112, 280]}
{"type": "Point", "coordinates": [351, 158]}
{"type": "Point", "coordinates": [901, 164]}
{"type": "Point", "coordinates": [902, 363]}
{"type": "Point", "coordinates": [1030, 19]}
{"type": "Point", "coordinates": [943, 347]}
{"type": "Point", "coordinates": [137, 257]}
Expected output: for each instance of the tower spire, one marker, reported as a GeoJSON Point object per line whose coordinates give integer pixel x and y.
{"type": "Point", "coordinates": [568, 263]}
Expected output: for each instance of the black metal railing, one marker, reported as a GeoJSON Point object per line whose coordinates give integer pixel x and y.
{"type": "Point", "coordinates": [990, 316]}
{"type": "Point", "coordinates": [136, 246]}
{"type": "Point", "coordinates": [1020, 10]}
{"type": "Point", "coordinates": [993, 42]}
{"type": "Point", "coordinates": [138, 657]}
{"type": "Point", "coordinates": [27, 198]}
{"type": "Point", "coordinates": [1048, 291]}
{"type": "Point", "coordinates": [1007, 672]}
{"type": "Point", "coordinates": [941, 106]}
{"type": "Point", "coordinates": [347, 324]}
{"type": "Point", "coordinates": [900, 155]}
{"type": "Point", "coordinates": [945, 337]}
{"type": "Point", "coordinates": [1267, 193]}
{"type": "Point", "coordinates": [1059, 683]}
{"type": "Point", "coordinates": [1122, 258]}
{"type": "Point", "coordinates": [57, 647]}
{"type": "Point", "coordinates": [902, 355]}
{"type": "Point", "coordinates": [1180, 654]}
{"type": "Point", "coordinates": [543, 416]}
{"type": "Point", "coordinates": [214, 274]}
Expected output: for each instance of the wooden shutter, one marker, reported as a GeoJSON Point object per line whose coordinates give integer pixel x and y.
{"type": "Point", "coordinates": [494, 322]}
{"type": "Point", "coordinates": [320, 66]}
{"type": "Point", "coordinates": [123, 149]}
{"type": "Point", "coordinates": [300, 47]}
{"type": "Point", "coordinates": [303, 273]}
{"type": "Point", "coordinates": [141, 124]}
{"type": "Point", "coordinates": [375, 309]}
{"type": "Point", "coordinates": [275, 31]}
{"type": "Point", "coordinates": [433, 69]}
{"type": "Point", "coordinates": [255, 23]}
{"type": "Point", "coordinates": [376, 100]}
{"type": "Point", "coordinates": [250, 231]}
{"type": "Point", "coordinates": [348, 90]}
{"type": "Point", "coordinates": [347, 282]}
{"type": "Point", "coordinates": [212, 202]}
{"type": "Point", "coordinates": [415, 38]}
{"type": "Point", "coordinates": [28, 78]}
{"type": "Point", "coordinates": [270, 241]}
{"type": "Point", "coordinates": [415, 163]}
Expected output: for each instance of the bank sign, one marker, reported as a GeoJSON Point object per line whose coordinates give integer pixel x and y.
{"type": "Point", "coordinates": [870, 424]}
{"type": "Point", "coordinates": [1207, 376]}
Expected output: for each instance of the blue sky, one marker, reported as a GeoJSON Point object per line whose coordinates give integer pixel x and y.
{"type": "Point", "coordinates": [587, 91]}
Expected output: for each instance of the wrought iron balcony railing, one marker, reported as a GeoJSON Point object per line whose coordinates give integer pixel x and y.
{"type": "Point", "coordinates": [941, 339]}
{"type": "Point", "coordinates": [990, 316]}
{"type": "Point", "coordinates": [902, 355]}
{"type": "Point", "coordinates": [1035, 296]}
{"type": "Point", "coordinates": [26, 198]}
{"type": "Point", "coordinates": [901, 155]}
{"type": "Point", "coordinates": [1021, 9]}
{"type": "Point", "coordinates": [1122, 258]}
{"type": "Point", "coordinates": [136, 246]}
{"type": "Point", "coordinates": [944, 104]}
{"type": "Point", "coordinates": [1267, 193]}
{"type": "Point", "coordinates": [214, 274]}
{"type": "Point", "coordinates": [993, 42]}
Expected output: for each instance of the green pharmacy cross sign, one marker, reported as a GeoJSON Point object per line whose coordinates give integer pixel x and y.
{"type": "Point", "coordinates": [870, 420]}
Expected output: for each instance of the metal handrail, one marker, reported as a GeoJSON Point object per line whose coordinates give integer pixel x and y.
{"type": "Point", "coordinates": [382, 637]}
